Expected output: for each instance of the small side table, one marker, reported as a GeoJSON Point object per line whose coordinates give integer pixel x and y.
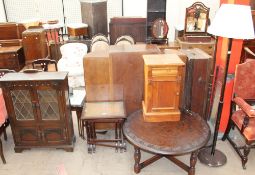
{"type": "Point", "coordinates": [77, 99]}
{"type": "Point", "coordinates": [77, 29]}
{"type": "Point", "coordinates": [104, 112]}
{"type": "Point", "coordinates": [167, 139]}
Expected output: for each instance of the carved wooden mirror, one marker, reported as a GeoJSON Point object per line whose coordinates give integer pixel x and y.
{"type": "Point", "coordinates": [196, 19]}
{"type": "Point", "coordinates": [159, 29]}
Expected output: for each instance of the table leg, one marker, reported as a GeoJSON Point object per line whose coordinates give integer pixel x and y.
{"type": "Point", "coordinates": [137, 157]}
{"type": "Point", "coordinates": [78, 113]}
{"type": "Point", "coordinates": [193, 161]}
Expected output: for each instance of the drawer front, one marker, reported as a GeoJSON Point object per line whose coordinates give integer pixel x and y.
{"type": "Point", "coordinates": [8, 60]}
{"type": "Point", "coordinates": [165, 71]}
{"type": "Point", "coordinates": [209, 49]}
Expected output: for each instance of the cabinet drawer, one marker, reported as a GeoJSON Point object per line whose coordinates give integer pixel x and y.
{"type": "Point", "coordinates": [8, 60]}
{"type": "Point", "coordinates": [166, 71]}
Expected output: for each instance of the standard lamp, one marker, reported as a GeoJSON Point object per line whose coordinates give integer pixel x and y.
{"type": "Point", "coordinates": [231, 21]}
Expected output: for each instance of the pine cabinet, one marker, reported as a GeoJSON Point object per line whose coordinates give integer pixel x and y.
{"type": "Point", "coordinates": [39, 110]}
{"type": "Point", "coordinates": [163, 76]}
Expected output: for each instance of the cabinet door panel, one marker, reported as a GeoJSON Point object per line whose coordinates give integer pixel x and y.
{"type": "Point", "coordinates": [54, 135]}
{"type": "Point", "coordinates": [28, 135]}
{"type": "Point", "coordinates": [49, 105]}
{"type": "Point", "coordinates": [23, 106]}
{"type": "Point", "coordinates": [165, 95]}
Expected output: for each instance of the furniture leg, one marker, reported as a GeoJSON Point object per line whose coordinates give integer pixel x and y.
{"type": "Point", "coordinates": [246, 152]}
{"type": "Point", "coordinates": [137, 157]}
{"type": "Point", "coordinates": [193, 161]}
{"type": "Point", "coordinates": [116, 137]}
{"type": "Point", "coordinates": [230, 125]}
{"type": "Point", "coordinates": [1, 152]}
{"type": "Point", "coordinates": [78, 113]}
{"type": "Point", "coordinates": [5, 134]}
{"type": "Point", "coordinates": [94, 137]}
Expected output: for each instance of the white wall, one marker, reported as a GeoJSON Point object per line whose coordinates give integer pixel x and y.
{"type": "Point", "coordinates": [135, 8]}
{"type": "Point", "coordinates": [2, 14]}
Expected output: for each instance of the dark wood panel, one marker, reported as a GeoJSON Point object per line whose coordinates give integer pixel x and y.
{"type": "Point", "coordinates": [197, 81]}
{"type": "Point", "coordinates": [95, 15]}
{"type": "Point", "coordinates": [135, 27]}
{"type": "Point", "coordinates": [12, 58]}
{"type": "Point", "coordinates": [34, 44]}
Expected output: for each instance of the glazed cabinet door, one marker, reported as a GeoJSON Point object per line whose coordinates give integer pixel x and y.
{"type": "Point", "coordinates": [51, 116]}
{"type": "Point", "coordinates": [23, 116]}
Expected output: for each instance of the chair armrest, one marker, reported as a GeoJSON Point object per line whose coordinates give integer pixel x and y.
{"type": "Point", "coordinates": [249, 51]}
{"type": "Point", "coordinates": [245, 106]}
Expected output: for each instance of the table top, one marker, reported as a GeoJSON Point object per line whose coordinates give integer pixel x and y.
{"type": "Point", "coordinates": [77, 98]}
{"type": "Point", "coordinates": [167, 138]}
{"type": "Point", "coordinates": [11, 49]}
{"type": "Point", "coordinates": [104, 110]}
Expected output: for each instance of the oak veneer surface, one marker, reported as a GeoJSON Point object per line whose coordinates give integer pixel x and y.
{"type": "Point", "coordinates": [116, 74]}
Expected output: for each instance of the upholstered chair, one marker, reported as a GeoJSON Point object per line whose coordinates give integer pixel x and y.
{"type": "Point", "coordinates": [4, 122]}
{"type": "Point", "coordinates": [242, 115]}
{"type": "Point", "coordinates": [72, 62]}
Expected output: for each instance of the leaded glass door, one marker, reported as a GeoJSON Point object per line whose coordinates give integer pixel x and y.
{"type": "Point", "coordinates": [22, 104]}
{"type": "Point", "coordinates": [49, 104]}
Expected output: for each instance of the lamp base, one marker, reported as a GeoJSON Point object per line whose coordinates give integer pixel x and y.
{"type": "Point", "coordinates": [216, 160]}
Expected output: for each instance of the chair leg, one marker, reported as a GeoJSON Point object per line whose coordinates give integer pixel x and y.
{"type": "Point", "coordinates": [1, 152]}
{"type": "Point", "coordinates": [246, 152]}
{"type": "Point", "coordinates": [5, 134]}
{"type": "Point", "coordinates": [230, 125]}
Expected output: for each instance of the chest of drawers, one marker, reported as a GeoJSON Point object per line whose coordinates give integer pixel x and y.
{"type": "Point", "coordinates": [12, 58]}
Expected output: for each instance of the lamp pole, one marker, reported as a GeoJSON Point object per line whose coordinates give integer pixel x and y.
{"type": "Point", "coordinates": [64, 17]}
{"type": "Point", "coordinates": [5, 12]}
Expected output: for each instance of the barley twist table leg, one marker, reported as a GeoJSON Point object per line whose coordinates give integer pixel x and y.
{"type": "Point", "coordinates": [193, 161]}
{"type": "Point", "coordinates": [137, 157]}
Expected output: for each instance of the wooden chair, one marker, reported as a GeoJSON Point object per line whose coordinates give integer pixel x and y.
{"type": "Point", "coordinates": [243, 117]}
{"type": "Point", "coordinates": [100, 37]}
{"type": "Point", "coordinates": [4, 122]}
{"type": "Point", "coordinates": [45, 64]}
{"type": "Point", "coordinates": [125, 40]}
{"type": "Point", "coordinates": [99, 45]}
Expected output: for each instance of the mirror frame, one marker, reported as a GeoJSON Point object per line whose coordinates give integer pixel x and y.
{"type": "Point", "coordinates": [194, 7]}
{"type": "Point", "coordinates": [165, 28]}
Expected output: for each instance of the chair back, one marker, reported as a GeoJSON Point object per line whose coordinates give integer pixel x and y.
{"type": "Point", "coordinates": [5, 71]}
{"type": "Point", "coordinates": [125, 39]}
{"type": "Point", "coordinates": [244, 86]}
{"type": "Point", "coordinates": [99, 45]}
{"type": "Point", "coordinates": [100, 37]}
{"type": "Point", "coordinates": [45, 64]}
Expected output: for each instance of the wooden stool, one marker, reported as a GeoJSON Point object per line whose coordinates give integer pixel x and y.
{"type": "Point", "coordinates": [104, 112]}
{"type": "Point", "coordinates": [77, 29]}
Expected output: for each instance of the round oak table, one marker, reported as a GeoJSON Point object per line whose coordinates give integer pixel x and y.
{"type": "Point", "coordinates": [167, 139]}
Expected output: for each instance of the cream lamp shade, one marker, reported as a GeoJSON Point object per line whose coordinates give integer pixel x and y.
{"type": "Point", "coordinates": [233, 21]}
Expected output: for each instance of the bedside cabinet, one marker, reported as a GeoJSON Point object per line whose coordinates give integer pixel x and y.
{"type": "Point", "coordinates": [34, 44]}
{"type": "Point", "coordinates": [164, 75]}
{"type": "Point", "coordinates": [12, 58]}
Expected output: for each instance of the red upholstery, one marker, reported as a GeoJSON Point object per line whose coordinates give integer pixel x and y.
{"type": "Point", "coordinates": [3, 112]}
{"type": "Point", "coordinates": [249, 131]}
{"type": "Point", "coordinates": [245, 106]}
{"type": "Point", "coordinates": [244, 85]}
